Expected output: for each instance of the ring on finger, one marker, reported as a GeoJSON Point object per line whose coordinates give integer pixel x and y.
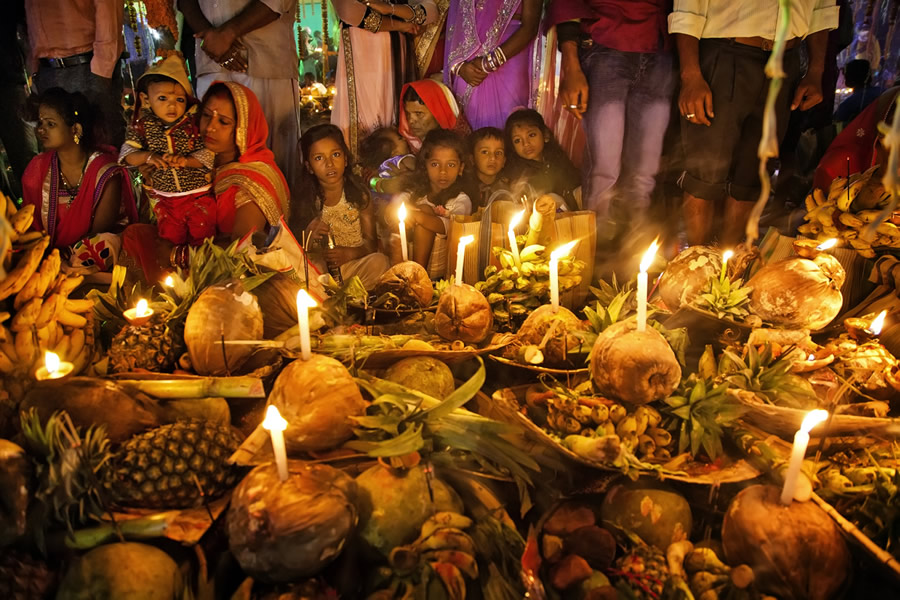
{"type": "Point", "coordinates": [689, 116]}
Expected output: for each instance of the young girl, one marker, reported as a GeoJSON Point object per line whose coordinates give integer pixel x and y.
{"type": "Point", "coordinates": [386, 161]}
{"type": "Point", "coordinates": [489, 158]}
{"type": "Point", "coordinates": [439, 192]}
{"type": "Point", "coordinates": [336, 209]}
{"type": "Point", "coordinates": [537, 158]}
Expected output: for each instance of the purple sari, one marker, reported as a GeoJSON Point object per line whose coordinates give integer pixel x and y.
{"type": "Point", "coordinates": [472, 32]}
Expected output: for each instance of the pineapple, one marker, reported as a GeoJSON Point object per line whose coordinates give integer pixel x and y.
{"type": "Point", "coordinates": [153, 346]}
{"type": "Point", "coordinates": [23, 577]}
{"type": "Point", "coordinates": [169, 467]}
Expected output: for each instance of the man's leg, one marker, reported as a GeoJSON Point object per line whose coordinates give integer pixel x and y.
{"type": "Point", "coordinates": [698, 217]}
{"type": "Point", "coordinates": [737, 213]}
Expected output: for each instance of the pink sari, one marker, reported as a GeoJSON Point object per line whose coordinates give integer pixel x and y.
{"type": "Point", "coordinates": [472, 32]}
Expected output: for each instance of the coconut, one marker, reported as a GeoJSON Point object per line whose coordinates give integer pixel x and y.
{"type": "Point", "coordinates": [317, 397]}
{"type": "Point", "coordinates": [463, 313]}
{"type": "Point", "coordinates": [222, 312]}
{"type": "Point", "coordinates": [633, 366]}
{"type": "Point", "coordinates": [562, 340]}
{"type": "Point", "coordinates": [123, 570]}
{"type": "Point", "coordinates": [408, 281]}
{"type": "Point", "coordinates": [688, 274]}
{"type": "Point", "coordinates": [654, 513]}
{"type": "Point", "coordinates": [282, 531]}
{"type": "Point", "coordinates": [798, 293]}
{"type": "Point", "coordinates": [796, 551]}
{"type": "Point", "coordinates": [423, 374]}
{"type": "Point", "coordinates": [394, 503]}
{"type": "Point", "coordinates": [15, 476]}
{"type": "Point", "coordinates": [277, 298]}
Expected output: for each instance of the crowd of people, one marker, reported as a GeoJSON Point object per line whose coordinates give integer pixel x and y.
{"type": "Point", "coordinates": [434, 109]}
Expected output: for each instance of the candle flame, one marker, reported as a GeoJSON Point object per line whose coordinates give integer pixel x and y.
{"type": "Point", "coordinates": [169, 282]}
{"type": "Point", "coordinates": [51, 362]}
{"type": "Point", "coordinates": [811, 357]}
{"type": "Point", "coordinates": [827, 244]}
{"type": "Point", "coordinates": [401, 212]}
{"type": "Point", "coordinates": [141, 309]}
{"type": "Point", "coordinates": [516, 219]}
{"type": "Point", "coordinates": [305, 300]}
{"type": "Point", "coordinates": [878, 323]}
{"type": "Point", "coordinates": [563, 250]}
{"type": "Point", "coordinates": [813, 418]}
{"type": "Point", "coordinates": [466, 240]}
{"type": "Point", "coordinates": [274, 421]}
{"type": "Point", "coordinates": [726, 256]}
{"type": "Point", "coordinates": [647, 260]}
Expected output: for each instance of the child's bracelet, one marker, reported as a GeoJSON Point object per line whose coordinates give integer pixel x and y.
{"type": "Point", "coordinates": [373, 183]}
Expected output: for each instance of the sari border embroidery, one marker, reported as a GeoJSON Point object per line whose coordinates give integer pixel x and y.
{"type": "Point", "coordinates": [351, 91]}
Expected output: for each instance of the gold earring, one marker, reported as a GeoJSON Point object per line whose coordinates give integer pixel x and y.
{"type": "Point", "coordinates": [77, 138]}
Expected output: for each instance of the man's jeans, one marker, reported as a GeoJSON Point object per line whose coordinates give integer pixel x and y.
{"type": "Point", "coordinates": [626, 118]}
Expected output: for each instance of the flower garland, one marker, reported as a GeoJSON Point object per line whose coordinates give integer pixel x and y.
{"type": "Point", "coordinates": [161, 13]}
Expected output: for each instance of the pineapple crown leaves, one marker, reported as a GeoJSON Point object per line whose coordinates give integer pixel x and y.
{"type": "Point", "coordinates": [701, 410]}
{"type": "Point", "coordinates": [335, 308]}
{"type": "Point", "coordinates": [725, 298]}
{"type": "Point", "coordinates": [767, 376]}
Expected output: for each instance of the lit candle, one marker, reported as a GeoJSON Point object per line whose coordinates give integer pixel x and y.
{"type": "Point", "coordinates": [646, 261]}
{"type": "Point", "coordinates": [877, 323]}
{"type": "Point", "coordinates": [554, 272]}
{"type": "Point", "coordinates": [169, 282]}
{"type": "Point", "coordinates": [725, 256]}
{"type": "Point", "coordinates": [461, 256]}
{"type": "Point", "coordinates": [512, 236]}
{"type": "Point", "coordinates": [275, 424]}
{"type": "Point", "coordinates": [304, 303]}
{"type": "Point", "coordinates": [401, 214]}
{"type": "Point", "coordinates": [140, 314]}
{"type": "Point", "coordinates": [53, 368]}
{"type": "Point", "coordinates": [801, 441]}
{"type": "Point", "coordinates": [827, 244]}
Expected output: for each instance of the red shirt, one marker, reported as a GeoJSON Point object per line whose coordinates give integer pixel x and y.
{"type": "Point", "coordinates": [624, 25]}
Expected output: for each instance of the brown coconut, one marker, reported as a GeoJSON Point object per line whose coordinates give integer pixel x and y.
{"type": "Point", "coordinates": [222, 312]}
{"type": "Point", "coordinates": [562, 340]}
{"type": "Point", "coordinates": [408, 281]}
{"type": "Point", "coordinates": [633, 366]}
{"type": "Point", "coordinates": [796, 551]}
{"type": "Point", "coordinates": [463, 313]}
{"type": "Point", "coordinates": [277, 298]}
{"type": "Point", "coordinates": [282, 531]}
{"type": "Point", "coordinates": [688, 274]}
{"type": "Point", "coordinates": [317, 397]}
{"type": "Point", "coordinates": [424, 374]}
{"type": "Point", "coordinates": [798, 293]}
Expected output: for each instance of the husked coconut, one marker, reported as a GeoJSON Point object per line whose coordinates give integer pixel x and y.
{"type": "Point", "coordinates": [463, 313]}
{"type": "Point", "coordinates": [633, 366]}
{"type": "Point", "coordinates": [562, 340]}
{"type": "Point", "coordinates": [317, 397]}
{"type": "Point", "coordinates": [423, 374]}
{"type": "Point", "coordinates": [122, 570]}
{"type": "Point", "coordinates": [408, 281]}
{"type": "Point", "coordinates": [688, 274]}
{"type": "Point", "coordinates": [798, 293]}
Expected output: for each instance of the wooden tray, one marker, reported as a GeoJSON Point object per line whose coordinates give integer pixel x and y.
{"type": "Point", "coordinates": [506, 406]}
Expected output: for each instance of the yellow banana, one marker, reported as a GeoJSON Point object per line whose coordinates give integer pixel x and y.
{"type": "Point", "coordinates": [50, 308]}
{"type": "Point", "coordinates": [28, 292]}
{"type": "Point", "coordinates": [27, 316]}
{"type": "Point", "coordinates": [868, 216]}
{"type": "Point", "coordinates": [79, 306]}
{"type": "Point", "coordinates": [70, 319]}
{"type": "Point", "coordinates": [22, 220]}
{"type": "Point", "coordinates": [810, 203]}
{"type": "Point", "coordinates": [443, 520]}
{"type": "Point", "coordinates": [846, 199]}
{"type": "Point", "coordinates": [56, 332]}
{"type": "Point", "coordinates": [63, 347]}
{"type": "Point", "coordinates": [43, 338]}
{"type": "Point", "coordinates": [26, 349]}
{"type": "Point", "coordinates": [830, 230]}
{"type": "Point", "coordinates": [888, 228]}
{"type": "Point", "coordinates": [49, 271]}
{"type": "Point", "coordinates": [448, 538]}
{"type": "Point", "coordinates": [80, 360]}
{"type": "Point", "coordinates": [530, 253]}
{"type": "Point", "coordinates": [24, 269]}
{"type": "Point", "coordinates": [28, 237]}
{"type": "Point", "coordinates": [851, 220]}
{"type": "Point", "coordinates": [4, 316]}
{"type": "Point", "coordinates": [819, 197]}
{"type": "Point", "coordinates": [76, 341]}
{"type": "Point", "coordinates": [7, 343]}
{"type": "Point", "coordinates": [7, 365]}
{"type": "Point", "coordinates": [3, 205]}
{"type": "Point", "coordinates": [849, 234]}
{"type": "Point", "coordinates": [11, 207]}
{"type": "Point", "coordinates": [66, 284]}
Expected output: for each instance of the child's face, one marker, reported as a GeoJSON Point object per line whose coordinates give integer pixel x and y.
{"type": "Point", "coordinates": [490, 156]}
{"type": "Point", "coordinates": [528, 141]}
{"type": "Point", "coordinates": [400, 147]}
{"type": "Point", "coordinates": [443, 168]}
{"type": "Point", "coordinates": [167, 100]}
{"type": "Point", "coordinates": [327, 161]}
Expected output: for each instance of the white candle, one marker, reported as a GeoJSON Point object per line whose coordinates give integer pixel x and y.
{"type": "Point", "coordinates": [304, 303]}
{"type": "Point", "coordinates": [554, 271]}
{"type": "Point", "coordinates": [725, 256]}
{"type": "Point", "coordinates": [798, 451]}
{"type": "Point", "coordinates": [878, 323]}
{"type": "Point", "coordinates": [461, 256]}
{"type": "Point", "coordinates": [275, 424]}
{"type": "Point", "coordinates": [401, 214]}
{"type": "Point", "coordinates": [646, 261]}
{"type": "Point", "coordinates": [512, 236]}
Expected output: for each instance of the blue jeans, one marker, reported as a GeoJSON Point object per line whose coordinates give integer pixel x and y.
{"type": "Point", "coordinates": [628, 109]}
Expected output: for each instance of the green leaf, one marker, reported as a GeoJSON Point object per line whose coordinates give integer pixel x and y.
{"type": "Point", "coordinates": [460, 395]}
{"type": "Point", "coordinates": [406, 443]}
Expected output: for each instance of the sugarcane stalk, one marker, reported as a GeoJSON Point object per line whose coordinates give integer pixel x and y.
{"type": "Point", "coordinates": [882, 555]}
{"type": "Point", "coordinates": [200, 387]}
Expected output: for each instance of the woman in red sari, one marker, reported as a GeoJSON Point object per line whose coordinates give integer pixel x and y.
{"type": "Point", "coordinates": [427, 105]}
{"type": "Point", "coordinates": [251, 192]}
{"type": "Point", "coordinates": [80, 194]}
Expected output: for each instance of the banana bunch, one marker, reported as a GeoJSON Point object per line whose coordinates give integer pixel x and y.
{"type": "Point", "coordinates": [44, 317]}
{"type": "Point", "coordinates": [850, 206]}
{"type": "Point", "coordinates": [639, 431]}
{"type": "Point", "coordinates": [516, 289]}
{"type": "Point", "coordinates": [438, 564]}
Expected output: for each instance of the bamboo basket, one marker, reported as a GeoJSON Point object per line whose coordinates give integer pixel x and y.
{"type": "Point", "coordinates": [506, 405]}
